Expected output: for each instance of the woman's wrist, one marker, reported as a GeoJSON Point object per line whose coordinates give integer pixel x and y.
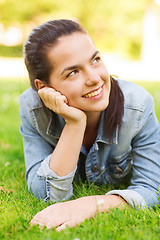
{"type": "Point", "coordinates": [106, 202]}
{"type": "Point", "coordinates": [80, 121]}
{"type": "Point", "coordinates": [66, 152]}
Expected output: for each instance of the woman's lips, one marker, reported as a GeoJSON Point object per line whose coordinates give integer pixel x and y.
{"type": "Point", "coordinates": [94, 94]}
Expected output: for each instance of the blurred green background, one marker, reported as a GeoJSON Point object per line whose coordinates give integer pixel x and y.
{"type": "Point", "coordinates": [115, 25]}
{"type": "Point", "coordinates": [121, 29]}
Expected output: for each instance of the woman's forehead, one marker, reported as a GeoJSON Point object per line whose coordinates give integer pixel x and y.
{"type": "Point", "coordinates": [72, 49]}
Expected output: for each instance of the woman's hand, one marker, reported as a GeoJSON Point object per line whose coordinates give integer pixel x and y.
{"type": "Point", "coordinates": [70, 213]}
{"type": "Point", "coordinates": [74, 212]}
{"type": "Point", "coordinates": [58, 103]}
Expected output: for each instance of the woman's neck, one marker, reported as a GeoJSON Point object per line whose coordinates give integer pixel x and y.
{"type": "Point", "coordinates": [91, 129]}
{"type": "Point", "coordinates": [93, 120]}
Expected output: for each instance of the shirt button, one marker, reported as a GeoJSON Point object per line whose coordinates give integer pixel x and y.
{"type": "Point", "coordinates": [119, 170]}
{"type": "Point", "coordinates": [94, 169]}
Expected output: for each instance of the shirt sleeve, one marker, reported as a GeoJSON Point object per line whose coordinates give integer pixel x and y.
{"type": "Point", "coordinates": [58, 188]}
{"type": "Point", "coordinates": [41, 180]}
{"type": "Point", "coordinates": [132, 197]}
{"type": "Point", "coordinates": [145, 182]}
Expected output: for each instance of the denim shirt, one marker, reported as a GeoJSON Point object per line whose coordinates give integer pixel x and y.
{"type": "Point", "coordinates": [132, 156]}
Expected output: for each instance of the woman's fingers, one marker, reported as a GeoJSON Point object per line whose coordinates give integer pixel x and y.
{"type": "Point", "coordinates": [58, 103]}
{"type": "Point", "coordinates": [70, 213]}
{"type": "Point", "coordinates": [50, 217]}
{"type": "Point", "coordinates": [47, 91]}
{"type": "Point", "coordinates": [53, 100]}
{"type": "Point", "coordinates": [61, 104]}
{"type": "Point", "coordinates": [70, 223]}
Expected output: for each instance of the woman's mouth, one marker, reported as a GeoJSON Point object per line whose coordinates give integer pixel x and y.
{"type": "Point", "coordinates": [94, 93]}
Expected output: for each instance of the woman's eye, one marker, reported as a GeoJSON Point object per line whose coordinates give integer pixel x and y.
{"type": "Point", "coordinates": [96, 60]}
{"type": "Point", "coordinates": [72, 73]}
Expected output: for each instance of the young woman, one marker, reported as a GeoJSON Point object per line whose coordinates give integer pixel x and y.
{"type": "Point", "coordinates": [77, 120]}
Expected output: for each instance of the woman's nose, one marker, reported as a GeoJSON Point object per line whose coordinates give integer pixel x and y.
{"type": "Point", "coordinates": [92, 77]}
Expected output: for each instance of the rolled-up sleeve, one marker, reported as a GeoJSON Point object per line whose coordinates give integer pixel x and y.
{"type": "Point", "coordinates": [58, 188]}
{"type": "Point", "coordinates": [133, 198]}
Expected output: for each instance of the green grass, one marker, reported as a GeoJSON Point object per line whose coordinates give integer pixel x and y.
{"type": "Point", "coordinates": [18, 208]}
{"type": "Point", "coordinates": [11, 51]}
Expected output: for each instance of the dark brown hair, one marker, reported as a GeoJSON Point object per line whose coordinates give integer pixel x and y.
{"type": "Point", "coordinates": [115, 109]}
{"type": "Point", "coordinates": [36, 48]}
{"type": "Point", "coordinates": [39, 43]}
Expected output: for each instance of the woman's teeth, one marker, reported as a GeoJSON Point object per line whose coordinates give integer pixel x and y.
{"type": "Point", "coordinates": [92, 94]}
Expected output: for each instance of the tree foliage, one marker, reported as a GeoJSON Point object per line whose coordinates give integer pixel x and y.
{"type": "Point", "coordinates": [114, 25]}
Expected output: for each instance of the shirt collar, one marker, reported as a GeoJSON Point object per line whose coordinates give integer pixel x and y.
{"type": "Point", "coordinates": [57, 123]}
{"type": "Point", "coordinates": [102, 136]}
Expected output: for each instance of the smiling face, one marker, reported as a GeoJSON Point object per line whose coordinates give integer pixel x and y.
{"type": "Point", "coordinates": [79, 73]}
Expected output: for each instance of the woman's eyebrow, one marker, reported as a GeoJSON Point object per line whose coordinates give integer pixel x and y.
{"type": "Point", "coordinates": [96, 52]}
{"type": "Point", "coordinates": [69, 68]}
{"type": "Point", "coordinates": [76, 66]}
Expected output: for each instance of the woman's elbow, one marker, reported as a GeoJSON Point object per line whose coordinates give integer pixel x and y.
{"type": "Point", "coordinates": [37, 187]}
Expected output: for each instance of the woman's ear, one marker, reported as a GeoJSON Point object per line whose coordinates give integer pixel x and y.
{"type": "Point", "coordinates": [39, 84]}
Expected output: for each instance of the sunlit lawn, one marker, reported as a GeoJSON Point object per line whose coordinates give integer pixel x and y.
{"type": "Point", "coordinates": [17, 206]}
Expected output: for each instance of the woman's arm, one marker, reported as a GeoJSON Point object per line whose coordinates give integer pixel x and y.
{"type": "Point", "coordinates": [42, 180]}
{"type": "Point", "coordinates": [65, 156]}
{"type": "Point", "coordinates": [74, 212]}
